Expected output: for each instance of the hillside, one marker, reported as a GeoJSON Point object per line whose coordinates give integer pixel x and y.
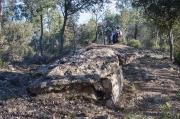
{"type": "Point", "coordinates": [151, 90]}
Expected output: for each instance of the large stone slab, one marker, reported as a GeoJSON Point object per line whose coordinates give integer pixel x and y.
{"type": "Point", "coordinates": [80, 72]}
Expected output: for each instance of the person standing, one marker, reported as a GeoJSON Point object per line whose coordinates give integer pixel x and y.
{"type": "Point", "coordinates": [112, 37]}
{"type": "Point", "coordinates": [119, 33]}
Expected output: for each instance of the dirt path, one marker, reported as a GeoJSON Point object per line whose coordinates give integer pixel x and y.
{"type": "Point", "coordinates": [151, 90]}
{"type": "Point", "coordinates": [157, 83]}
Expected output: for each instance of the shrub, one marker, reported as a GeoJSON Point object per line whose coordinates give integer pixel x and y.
{"type": "Point", "coordinates": [153, 45]}
{"type": "Point", "coordinates": [166, 113]}
{"type": "Point", "coordinates": [165, 109]}
{"type": "Point", "coordinates": [178, 94]}
{"type": "Point", "coordinates": [135, 43]}
{"type": "Point", "coordinates": [177, 53]}
{"type": "Point", "coordinates": [87, 42]}
{"type": "Point", "coordinates": [124, 42]}
{"type": "Point", "coordinates": [177, 57]}
{"type": "Point", "coordinates": [1, 60]}
{"type": "Point", "coordinates": [164, 47]}
{"type": "Point", "coordinates": [17, 40]}
{"type": "Point", "coordinates": [28, 51]}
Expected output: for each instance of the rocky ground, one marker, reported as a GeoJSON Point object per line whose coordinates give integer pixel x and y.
{"type": "Point", "coordinates": [151, 90]}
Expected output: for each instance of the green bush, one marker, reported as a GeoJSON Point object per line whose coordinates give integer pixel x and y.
{"type": "Point", "coordinates": [166, 111]}
{"type": "Point", "coordinates": [135, 43]}
{"type": "Point", "coordinates": [153, 45]}
{"type": "Point", "coordinates": [87, 42]}
{"type": "Point", "coordinates": [17, 40]}
{"type": "Point", "coordinates": [123, 41]}
{"type": "Point", "coordinates": [28, 53]}
{"type": "Point", "coordinates": [164, 47]}
{"type": "Point", "coordinates": [178, 94]}
{"type": "Point", "coordinates": [177, 57]}
{"type": "Point", "coordinates": [177, 53]}
{"type": "Point", "coordinates": [1, 60]}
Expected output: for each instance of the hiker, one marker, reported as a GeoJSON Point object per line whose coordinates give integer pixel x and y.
{"type": "Point", "coordinates": [118, 35]}
{"type": "Point", "coordinates": [112, 37]}
{"type": "Point", "coordinates": [115, 36]}
{"type": "Point", "coordinates": [109, 37]}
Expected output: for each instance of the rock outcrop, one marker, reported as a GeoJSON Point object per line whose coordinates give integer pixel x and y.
{"type": "Point", "coordinates": [89, 71]}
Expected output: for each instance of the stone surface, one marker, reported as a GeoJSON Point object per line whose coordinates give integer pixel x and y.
{"type": "Point", "coordinates": [81, 71]}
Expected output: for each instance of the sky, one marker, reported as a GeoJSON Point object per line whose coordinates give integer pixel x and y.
{"type": "Point", "coordinates": [85, 17]}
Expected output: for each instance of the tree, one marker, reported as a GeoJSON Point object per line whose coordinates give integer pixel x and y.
{"type": "Point", "coordinates": [110, 22]}
{"type": "Point", "coordinates": [87, 33]}
{"type": "Point", "coordinates": [54, 23]}
{"type": "Point", "coordinates": [125, 18]}
{"type": "Point", "coordinates": [1, 11]}
{"type": "Point", "coordinates": [163, 13]}
{"type": "Point", "coordinates": [176, 34]}
{"type": "Point", "coordinates": [136, 19]}
{"type": "Point", "coordinates": [70, 7]}
{"type": "Point", "coordinates": [73, 27]}
{"type": "Point", "coordinates": [16, 39]}
{"type": "Point", "coordinates": [98, 12]}
{"type": "Point", "coordinates": [39, 8]}
{"type": "Point", "coordinates": [128, 17]}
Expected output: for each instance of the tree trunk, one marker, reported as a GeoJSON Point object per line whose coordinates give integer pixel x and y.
{"type": "Point", "coordinates": [123, 37]}
{"type": "Point", "coordinates": [135, 31]}
{"type": "Point", "coordinates": [103, 36]}
{"type": "Point", "coordinates": [35, 45]}
{"type": "Point", "coordinates": [74, 38]}
{"type": "Point", "coordinates": [1, 11]}
{"type": "Point", "coordinates": [171, 44]}
{"type": "Point", "coordinates": [62, 35]}
{"type": "Point", "coordinates": [96, 36]}
{"type": "Point", "coordinates": [161, 41]}
{"type": "Point", "coordinates": [74, 44]}
{"type": "Point", "coordinates": [52, 45]}
{"type": "Point", "coordinates": [40, 40]}
{"type": "Point", "coordinates": [157, 35]}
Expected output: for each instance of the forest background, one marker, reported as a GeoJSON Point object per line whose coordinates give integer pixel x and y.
{"type": "Point", "coordinates": [51, 28]}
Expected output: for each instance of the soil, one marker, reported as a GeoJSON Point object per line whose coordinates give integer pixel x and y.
{"type": "Point", "coordinates": [151, 90]}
